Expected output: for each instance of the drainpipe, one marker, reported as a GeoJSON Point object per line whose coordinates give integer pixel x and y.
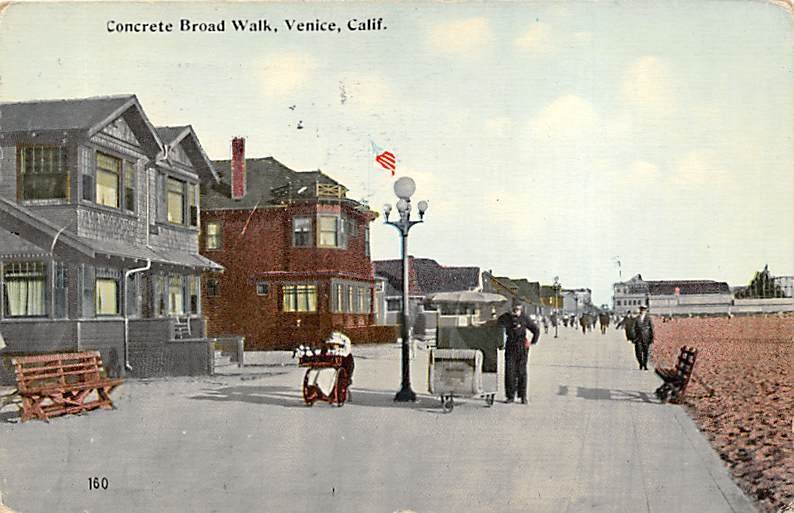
{"type": "Point", "coordinates": [127, 275]}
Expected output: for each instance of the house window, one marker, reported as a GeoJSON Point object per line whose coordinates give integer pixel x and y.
{"type": "Point", "coordinates": [194, 288]}
{"type": "Point", "coordinates": [213, 235]}
{"type": "Point", "coordinates": [363, 300]}
{"type": "Point", "coordinates": [176, 201]}
{"type": "Point", "coordinates": [337, 298]}
{"type": "Point", "coordinates": [394, 305]}
{"type": "Point", "coordinates": [159, 296]}
{"type": "Point", "coordinates": [61, 291]}
{"type": "Point", "coordinates": [129, 187]}
{"type": "Point", "coordinates": [43, 173]}
{"type": "Point", "coordinates": [176, 295]}
{"type": "Point", "coordinates": [366, 241]}
{"type": "Point", "coordinates": [193, 198]}
{"type": "Point", "coordinates": [262, 288]}
{"type": "Point", "coordinates": [301, 231]}
{"type": "Point", "coordinates": [351, 297]}
{"type": "Point", "coordinates": [108, 177]}
{"type": "Point", "coordinates": [213, 287]}
{"type": "Point", "coordinates": [328, 234]}
{"type": "Point", "coordinates": [107, 296]}
{"type": "Point", "coordinates": [24, 285]}
{"type": "Point", "coordinates": [300, 298]}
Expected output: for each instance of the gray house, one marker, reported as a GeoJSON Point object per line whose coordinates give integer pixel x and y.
{"type": "Point", "coordinates": [99, 217]}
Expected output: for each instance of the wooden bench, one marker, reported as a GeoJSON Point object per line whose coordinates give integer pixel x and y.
{"type": "Point", "coordinates": [56, 384]}
{"type": "Point", "coordinates": [677, 378]}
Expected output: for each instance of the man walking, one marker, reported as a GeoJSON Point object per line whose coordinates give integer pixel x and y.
{"type": "Point", "coordinates": [627, 323]}
{"type": "Point", "coordinates": [642, 336]}
{"type": "Point", "coordinates": [603, 319]}
{"type": "Point", "coordinates": [516, 324]}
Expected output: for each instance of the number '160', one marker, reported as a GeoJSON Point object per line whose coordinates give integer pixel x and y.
{"type": "Point", "coordinates": [97, 483]}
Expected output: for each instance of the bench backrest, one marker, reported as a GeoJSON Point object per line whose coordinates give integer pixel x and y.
{"type": "Point", "coordinates": [40, 371]}
{"type": "Point", "coordinates": [686, 362]}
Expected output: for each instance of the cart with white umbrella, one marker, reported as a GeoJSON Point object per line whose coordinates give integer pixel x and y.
{"type": "Point", "coordinates": [468, 357]}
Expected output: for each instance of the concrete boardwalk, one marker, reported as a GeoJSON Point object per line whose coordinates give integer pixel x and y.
{"type": "Point", "coordinates": [592, 439]}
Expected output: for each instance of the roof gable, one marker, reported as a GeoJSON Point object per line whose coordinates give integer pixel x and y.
{"type": "Point", "coordinates": [185, 141]}
{"type": "Point", "coordinates": [75, 114]}
{"type": "Point", "coordinates": [426, 276]}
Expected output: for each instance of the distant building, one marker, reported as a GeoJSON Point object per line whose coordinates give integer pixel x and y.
{"type": "Point", "coordinates": [425, 277]}
{"type": "Point", "coordinates": [576, 301]}
{"type": "Point", "coordinates": [516, 290]}
{"type": "Point", "coordinates": [690, 297]}
{"type": "Point", "coordinates": [296, 253]}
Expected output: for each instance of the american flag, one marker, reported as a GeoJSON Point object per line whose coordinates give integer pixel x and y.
{"type": "Point", "coordinates": [384, 158]}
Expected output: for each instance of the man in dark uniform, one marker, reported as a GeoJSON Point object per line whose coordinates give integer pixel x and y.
{"type": "Point", "coordinates": [642, 336]}
{"type": "Point", "coordinates": [627, 323]}
{"type": "Point", "coordinates": [603, 320]}
{"type": "Point", "coordinates": [516, 324]}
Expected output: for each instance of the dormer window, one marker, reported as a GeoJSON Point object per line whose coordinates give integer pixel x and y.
{"type": "Point", "coordinates": [42, 172]}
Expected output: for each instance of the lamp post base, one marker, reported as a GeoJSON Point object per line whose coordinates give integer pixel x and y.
{"type": "Point", "coordinates": [405, 395]}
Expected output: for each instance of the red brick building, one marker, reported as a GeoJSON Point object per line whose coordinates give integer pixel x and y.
{"type": "Point", "coordinates": [296, 254]}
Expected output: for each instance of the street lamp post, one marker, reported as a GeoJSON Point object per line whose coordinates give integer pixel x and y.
{"type": "Point", "coordinates": [404, 188]}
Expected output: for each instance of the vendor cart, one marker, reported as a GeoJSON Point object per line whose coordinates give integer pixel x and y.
{"type": "Point", "coordinates": [468, 357]}
{"type": "Point", "coordinates": [329, 371]}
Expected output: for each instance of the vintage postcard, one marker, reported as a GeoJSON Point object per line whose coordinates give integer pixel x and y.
{"type": "Point", "coordinates": [387, 257]}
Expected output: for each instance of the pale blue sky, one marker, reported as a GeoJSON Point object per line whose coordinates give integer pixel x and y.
{"type": "Point", "coordinates": [548, 137]}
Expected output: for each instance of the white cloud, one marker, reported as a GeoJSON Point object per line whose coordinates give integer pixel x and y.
{"type": "Point", "coordinates": [642, 170]}
{"type": "Point", "coordinates": [281, 74]}
{"type": "Point", "coordinates": [499, 127]}
{"type": "Point", "coordinates": [461, 35]}
{"type": "Point", "coordinates": [568, 116]}
{"type": "Point", "coordinates": [648, 85]}
{"type": "Point", "coordinates": [699, 169]}
{"type": "Point", "coordinates": [536, 39]}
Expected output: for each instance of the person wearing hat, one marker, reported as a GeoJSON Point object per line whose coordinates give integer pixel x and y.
{"type": "Point", "coordinates": [516, 324]}
{"type": "Point", "coordinates": [642, 336]}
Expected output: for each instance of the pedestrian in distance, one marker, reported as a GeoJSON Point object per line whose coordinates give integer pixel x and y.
{"type": "Point", "coordinates": [545, 321]}
{"type": "Point", "coordinates": [642, 336]}
{"type": "Point", "coordinates": [627, 323]}
{"type": "Point", "coordinates": [603, 319]}
{"type": "Point", "coordinates": [583, 322]}
{"type": "Point", "coordinates": [516, 324]}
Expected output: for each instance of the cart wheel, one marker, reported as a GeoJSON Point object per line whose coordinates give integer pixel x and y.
{"type": "Point", "coordinates": [309, 394]}
{"type": "Point", "coordinates": [341, 387]}
{"type": "Point", "coordinates": [448, 404]}
{"type": "Point", "coordinates": [489, 400]}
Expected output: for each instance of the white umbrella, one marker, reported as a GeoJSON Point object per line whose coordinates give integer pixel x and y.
{"type": "Point", "coordinates": [466, 296]}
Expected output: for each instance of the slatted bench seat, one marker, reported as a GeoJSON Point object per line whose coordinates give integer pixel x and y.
{"type": "Point", "coordinates": [677, 378]}
{"type": "Point", "coordinates": [56, 384]}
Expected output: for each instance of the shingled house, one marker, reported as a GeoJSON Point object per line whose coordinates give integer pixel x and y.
{"type": "Point", "coordinates": [99, 214]}
{"type": "Point", "coordinates": [296, 253]}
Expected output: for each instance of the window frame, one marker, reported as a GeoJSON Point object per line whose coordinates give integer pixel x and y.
{"type": "Point", "coordinates": [63, 170]}
{"type": "Point", "coordinates": [97, 298]}
{"type": "Point", "coordinates": [130, 191]}
{"type": "Point", "coordinates": [294, 291]}
{"type": "Point", "coordinates": [307, 233]}
{"type": "Point", "coordinates": [213, 287]}
{"type": "Point", "coordinates": [217, 237]}
{"type": "Point", "coordinates": [182, 195]}
{"type": "Point", "coordinates": [117, 174]}
{"type": "Point", "coordinates": [39, 267]}
{"type": "Point", "coordinates": [259, 285]}
{"type": "Point", "coordinates": [336, 231]}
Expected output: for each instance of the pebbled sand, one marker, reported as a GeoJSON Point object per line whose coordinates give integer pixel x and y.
{"type": "Point", "coordinates": [749, 419]}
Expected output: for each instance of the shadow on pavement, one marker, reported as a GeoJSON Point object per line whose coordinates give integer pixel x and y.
{"type": "Point", "coordinates": [290, 397]}
{"type": "Point", "coordinates": [609, 394]}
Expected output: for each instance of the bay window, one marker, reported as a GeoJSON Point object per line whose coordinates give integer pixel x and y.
{"type": "Point", "coordinates": [328, 233]}
{"type": "Point", "coordinates": [212, 235]}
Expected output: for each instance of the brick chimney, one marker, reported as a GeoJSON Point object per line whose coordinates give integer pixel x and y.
{"type": "Point", "coordinates": [238, 168]}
